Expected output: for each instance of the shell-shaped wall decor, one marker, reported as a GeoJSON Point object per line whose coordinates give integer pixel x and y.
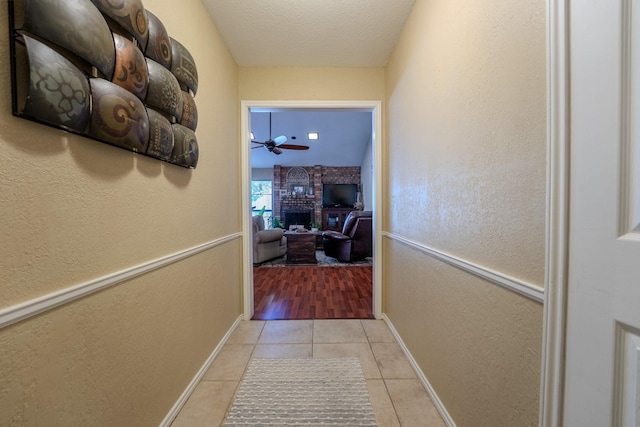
{"type": "Point", "coordinates": [76, 25]}
{"type": "Point", "coordinates": [185, 147]}
{"type": "Point", "coordinates": [107, 70]}
{"type": "Point", "coordinates": [160, 136]}
{"type": "Point", "coordinates": [183, 66]}
{"type": "Point", "coordinates": [130, 14]}
{"type": "Point", "coordinates": [58, 91]}
{"type": "Point", "coordinates": [118, 117]}
{"type": "Point", "coordinates": [159, 45]}
{"type": "Point", "coordinates": [131, 67]}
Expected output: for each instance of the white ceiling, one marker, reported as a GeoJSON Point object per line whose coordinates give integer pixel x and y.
{"type": "Point", "coordinates": [310, 33]}
{"type": "Point", "coordinates": [344, 137]}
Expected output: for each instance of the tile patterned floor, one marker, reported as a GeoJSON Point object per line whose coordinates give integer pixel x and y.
{"type": "Point", "coordinates": [397, 395]}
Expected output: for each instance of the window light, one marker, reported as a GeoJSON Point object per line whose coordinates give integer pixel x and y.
{"type": "Point", "coordinates": [313, 135]}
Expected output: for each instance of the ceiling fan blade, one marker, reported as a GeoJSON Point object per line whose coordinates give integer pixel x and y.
{"type": "Point", "coordinates": [293, 147]}
{"type": "Point", "coordinates": [280, 139]}
{"type": "Point", "coordinates": [258, 146]}
{"type": "Point", "coordinates": [278, 143]}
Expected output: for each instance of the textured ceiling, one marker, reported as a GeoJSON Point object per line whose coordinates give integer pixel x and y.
{"type": "Point", "coordinates": [310, 33]}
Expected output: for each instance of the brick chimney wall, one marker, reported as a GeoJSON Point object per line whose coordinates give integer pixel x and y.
{"type": "Point", "coordinates": [318, 175]}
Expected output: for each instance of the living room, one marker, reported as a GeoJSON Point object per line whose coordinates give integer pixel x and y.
{"type": "Point", "coordinates": [323, 172]}
{"type": "Point", "coordinates": [341, 154]}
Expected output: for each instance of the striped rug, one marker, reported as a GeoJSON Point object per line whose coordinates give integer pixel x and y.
{"type": "Point", "coordinates": [302, 392]}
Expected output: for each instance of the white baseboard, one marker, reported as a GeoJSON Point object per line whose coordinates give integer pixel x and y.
{"type": "Point", "coordinates": [423, 379]}
{"type": "Point", "coordinates": [175, 410]}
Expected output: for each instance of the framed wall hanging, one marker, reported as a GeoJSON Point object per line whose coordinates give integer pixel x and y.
{"type": "Point", "coordinates": [107, 70]}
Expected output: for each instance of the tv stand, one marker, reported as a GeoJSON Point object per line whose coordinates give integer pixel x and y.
{"type": "Point", "coordinates": [333, 218]}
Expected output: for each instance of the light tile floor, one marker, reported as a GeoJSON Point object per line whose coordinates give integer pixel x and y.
{"type": "Point", "coordinates": [397, 395]}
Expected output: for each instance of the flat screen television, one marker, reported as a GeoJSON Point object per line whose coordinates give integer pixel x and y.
{"type": "Point", "coordinates": [339, 195]}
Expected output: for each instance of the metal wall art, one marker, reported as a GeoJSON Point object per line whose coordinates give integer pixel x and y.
{"type": "Point", "coordinates": [108, 70]}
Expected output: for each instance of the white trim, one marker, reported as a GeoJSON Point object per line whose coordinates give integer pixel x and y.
{"type": "Point", "coordinates": [626, 126]}
{"type": "Point", "coordinates": [372, 105]}
{"type": "Point", "coordinates": [247, 244]}
{"type": "Point", "coordinates": [377, 211]}
{"type": "Point", "coordinates": [557, 214]}
{"type": "Point", "coordinates": [421, 376]}
{"type": "Point", "coordinates": [528, 290]}
{"type": "Point", "coordinates": [22, 311]}
{"type": "Point", "coordinates": [629, 212]}
{"type": "Point", "coordinates": [173, 413]}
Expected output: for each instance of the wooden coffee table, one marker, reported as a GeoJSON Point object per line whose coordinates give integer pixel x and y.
{"type": "Point", "coordinates": [301, 247]}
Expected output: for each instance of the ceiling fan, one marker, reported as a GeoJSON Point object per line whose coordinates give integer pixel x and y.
{"type": "Point", "coordinates": [277, 144]}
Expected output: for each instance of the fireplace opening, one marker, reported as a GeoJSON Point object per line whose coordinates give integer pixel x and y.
{"type": "Point", "coordinates": [297, 218]}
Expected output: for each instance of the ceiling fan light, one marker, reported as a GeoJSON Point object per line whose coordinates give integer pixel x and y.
{"type": "Point", "coordinates": [252, 136]}
{"type": "Point", "coordinates": [313, 135]}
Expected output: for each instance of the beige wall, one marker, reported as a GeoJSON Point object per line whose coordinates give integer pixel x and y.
{"type": "Point", "coordinates": [75, 210]}
{"type": "Point", "coordinates": [291, 83]}
{"type": "Point", "coordinates": [466, 176]}
{"type": "Point", "coordinates": [465, 157]}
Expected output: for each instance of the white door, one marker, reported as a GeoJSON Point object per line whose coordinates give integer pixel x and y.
{"type": "Point", "coordinates": [602, 386]}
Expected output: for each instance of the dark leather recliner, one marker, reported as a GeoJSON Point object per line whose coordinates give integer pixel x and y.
{"type": "Point", "coordinates": [355, 241]}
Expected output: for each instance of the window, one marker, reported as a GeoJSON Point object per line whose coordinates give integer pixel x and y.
{"type": "Point", "coordinates": [262, 197]}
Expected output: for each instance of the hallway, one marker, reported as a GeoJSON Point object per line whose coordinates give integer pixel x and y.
{"type": "Point", "coordinates": [397, 395]}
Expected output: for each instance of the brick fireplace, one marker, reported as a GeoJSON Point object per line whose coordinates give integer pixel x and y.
{"type": "Point", "coordinates": [291, 206]}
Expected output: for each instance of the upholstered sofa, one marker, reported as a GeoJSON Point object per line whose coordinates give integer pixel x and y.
{"type": "Point", "coordinates": [356, 240]}
{"type": "Point", "coordinates": [267, 244]}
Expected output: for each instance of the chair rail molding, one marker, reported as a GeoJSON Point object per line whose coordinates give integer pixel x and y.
{"type": "Point", "coordinates": [33, 307]}
{"type": "Point", "coordinates": [523, 288]}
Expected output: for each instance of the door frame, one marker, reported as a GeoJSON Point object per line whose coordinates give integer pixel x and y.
{"type": "Point", "coordinates": [557, 214]}
{"type": "Point", "coordinates": [375, 107]}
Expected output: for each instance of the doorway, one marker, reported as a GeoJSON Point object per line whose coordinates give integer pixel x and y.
{"type": "Point", "coordinates": [370, 107]}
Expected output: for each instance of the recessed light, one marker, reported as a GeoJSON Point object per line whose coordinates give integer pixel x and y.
{"type": "Point", "coordinates": [313, 135]}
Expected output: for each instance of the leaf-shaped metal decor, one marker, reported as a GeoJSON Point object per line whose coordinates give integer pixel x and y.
{"type": "Point", "coordinates": [131, 67]}
{"type": "Point", "coordinates": [159, 45]}
{"type": "Point", "coordinates": [130, 14]}
{"type": "Point", "coordinates": [160, 136]}
{"type": "Point", "coordinates": [76, 25]}
{"type": "Point", "coordinates": [185, 147]}
{"type": "Point", "coordinates": [183, 66]}
{"type": "Point", "coordinates": [58, 91]}
{"type": "Point", "coordinates": [189, 111]}
{"type": "Point", "coordinates": [164, 90]}
{"type": "Point", "coordinates": [118, 117]}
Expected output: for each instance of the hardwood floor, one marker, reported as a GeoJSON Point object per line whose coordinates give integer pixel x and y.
{"type": "Point", "coordinates": [311, 292]}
